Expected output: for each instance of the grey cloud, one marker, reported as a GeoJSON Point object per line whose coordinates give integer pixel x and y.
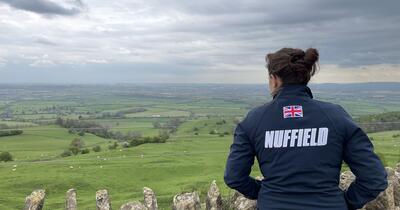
{"type": "Point", "coordinates": [343, 30]}
{"type": "Point", "coordinates": [46, 7]}
{"type": "Point", "coordinates": [210, 36]}
{"type": "Point", "coordinates": [40, 39]}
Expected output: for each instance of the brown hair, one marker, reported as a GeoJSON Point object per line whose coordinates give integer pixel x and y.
{"type": "Point", "coordinates": [293, 66]}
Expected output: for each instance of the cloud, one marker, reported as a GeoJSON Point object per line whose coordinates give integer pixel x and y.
{"type": "Point", "coordinates": [366, 73]}
{"type": "Point", "coordinates": [47, 7]}
{"type": "Point", "coordinates": [43, 61]}
{"type": "Point", "coordinates": [41, 39]}
{"type": "Point", "coordinates": [200, 41]}
{"type": "Point", "coordinates": [97, 61]}
{"type": "Point", "coordinates": [3, 62]}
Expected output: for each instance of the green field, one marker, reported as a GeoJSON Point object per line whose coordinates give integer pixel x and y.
{"type": "Point", "coordinates": [191, 158]}
{"type": "Point", "coordinates": [184, 163]}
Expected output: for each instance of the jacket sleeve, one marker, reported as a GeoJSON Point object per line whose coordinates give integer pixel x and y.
{"type": "Point", "coordinates": [371, 176]}
{"type": "Point", "coordinates": [239, 163]}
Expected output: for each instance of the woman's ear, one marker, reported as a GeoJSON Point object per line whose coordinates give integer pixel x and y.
{"type": "Point", "coordinates": [271, 83]}
{"type": "Point", "coordinates": [273, 80]}
{"type": "Point", "coordinates": [277, 82]}
{"type": "Point", "coordinates": [274, 84]}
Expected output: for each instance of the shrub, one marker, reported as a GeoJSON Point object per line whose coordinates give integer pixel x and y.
{"type": "Point", "coordinates": [136, 142]}
{"type": "Point", "coordinates": [76, 146]}
{"type": "Point", "coordinates": [113, 146]}
{"type": "Point", "coordinates": [71, 131]}
{"type": "Point", "coordinates": [77, 142]}
{"type": "Point", "coordinates": [213, 132]}
{"type": "Point", "coordinates": [10, 132]}
{"type": "Point", "coordinates": [164, 135]}
{"type": "Point", "coordinates": [156, 124]}
{"type": "Point", "coordinates": [85, 151]}
{"type": "Point", "coordinates": [6, 156]}
{"type": "Point", "coordinates": [74, 150]}
{"type": "Point", "coordinates": [66, 153]}
{"type": "Point", "coordinates": [96, 148]}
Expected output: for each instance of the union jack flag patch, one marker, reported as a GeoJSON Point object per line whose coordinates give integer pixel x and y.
{"type": "Point", "coordinates": [292, 111]}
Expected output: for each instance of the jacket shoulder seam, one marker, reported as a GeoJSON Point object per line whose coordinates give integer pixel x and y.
{"type": "Point", "coordinates": [330, 120]}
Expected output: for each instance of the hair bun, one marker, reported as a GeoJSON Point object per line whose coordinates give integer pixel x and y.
{"type": "Point", "coordinates": [293, 65]}
{"type": "Point", "coordinates": [311, 56]}
{"type": "Point", "coordinates": [296, 55]}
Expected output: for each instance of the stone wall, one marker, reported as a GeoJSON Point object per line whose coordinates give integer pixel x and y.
{"type": "Point", "coordinates": [387, 200]}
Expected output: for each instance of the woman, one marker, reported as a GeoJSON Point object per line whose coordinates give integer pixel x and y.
{"type": "Point", "coordinates": [300, 144]}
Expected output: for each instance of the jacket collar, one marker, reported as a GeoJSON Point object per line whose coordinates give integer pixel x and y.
{"type": "Point", "coordinates": [294, 90]}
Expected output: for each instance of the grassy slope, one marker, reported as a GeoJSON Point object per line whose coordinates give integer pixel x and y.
{"type": "Point", "coordinates": [184, 163]}
{"type": "Point", "coordinates": [387, 146]}
{"type": "Point", "coordinates": [44, 142]}
{"type": "Point", "coordinates": [179, 165]}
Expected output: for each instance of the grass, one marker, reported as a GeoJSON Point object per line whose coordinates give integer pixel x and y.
{"type": "Point", "coordinates": [387, 146]}
{"type": "Point", "coordinates": [44, 142]}
{"type": "Point", "coordinates": [188, 161]}
{"type": "Point", "coordinates": [180, 165]}
{"type": "Point", "coordinates": [185, 163]}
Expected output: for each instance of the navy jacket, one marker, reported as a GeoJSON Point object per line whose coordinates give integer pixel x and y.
{"type": "Point", "coordinates": [300, 143]}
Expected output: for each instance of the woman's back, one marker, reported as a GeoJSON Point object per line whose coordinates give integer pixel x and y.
{"type": "Point", "coordinates": [300, 144]}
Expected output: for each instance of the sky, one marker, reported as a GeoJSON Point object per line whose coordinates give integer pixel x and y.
{"type": "Point", "coordinates": [181, 41]}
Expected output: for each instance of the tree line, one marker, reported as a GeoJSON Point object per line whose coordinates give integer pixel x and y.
{"type": "Point", "coordinates": [380, 122]}
{"type": "Point", "coordinates": [81, 127]}
{"type": "Point", "coordinates": [10, 132]}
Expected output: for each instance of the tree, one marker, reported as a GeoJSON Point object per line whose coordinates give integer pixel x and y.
{"type": "Point", "coordinates": [81, 133]}
{"type": "Point", "coordinates": [156, 125]}
{"type": "Point", "coordinates": [10, 132]}
{"type": "Point", "coordinates": [76, 145]}
{"type": "Point", "coordinates": [6, 156]}
{"type": "Point", "coordinates": [163, 135]}
{"type": "Point", "coordinates": [85, 151]}
{"type": "Point", "coordinates": [96, 148]}
{"type": "Point", "coordinates": [113, 146]}
{"type": "Point", "coordinates": [77, 142]}
{"type": "Point", "coordinates": [74, 150]}
{"type": "Point", "coordinates": [134, 135]}
{"type": "Point", "coordinates": [66, 153]}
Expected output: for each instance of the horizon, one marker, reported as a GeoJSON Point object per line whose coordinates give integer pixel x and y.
{"type": "Point", "coordinates": [183, 83]}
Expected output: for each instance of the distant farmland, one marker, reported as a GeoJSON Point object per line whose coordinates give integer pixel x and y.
{"type": "Point", "coordinates": [199, 120]}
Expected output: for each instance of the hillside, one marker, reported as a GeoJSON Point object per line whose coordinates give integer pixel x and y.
{"type": "Point", "coordinates": [199, 119]}
{"type": "Point", "coordinates": [380, 122]}
{"type": "Point", "coordinates": [184, 163]}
